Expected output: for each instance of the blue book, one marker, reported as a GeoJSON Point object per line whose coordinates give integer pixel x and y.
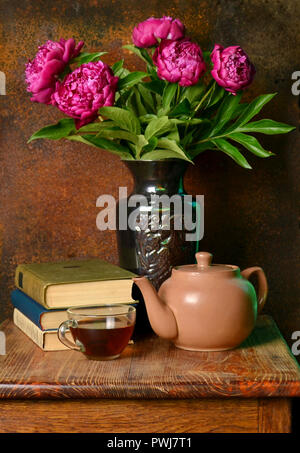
{"type": "Point", "coordinates": [39, 315]}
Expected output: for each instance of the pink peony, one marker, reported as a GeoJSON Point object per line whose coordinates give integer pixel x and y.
{"type": "Point", "coordinates": [179, 61]}
{"type": "Point", "coordinates": [145, 34]}
{"type": "Point", "coordinates": [85, 90]}
{"type": "Point", "coordinates": [232, 68]}
{"type": "Point", "coordinates": [43, 71]}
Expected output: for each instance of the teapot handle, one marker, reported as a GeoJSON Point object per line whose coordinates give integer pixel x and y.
{"type": "Point", "coordinates": [262, 284]}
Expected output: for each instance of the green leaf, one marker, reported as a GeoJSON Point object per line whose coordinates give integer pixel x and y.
{"type": "Point", "coordinates": [188, 138]}
{"type": "Point", "coordinates": [147, 97]}
{"type": "Point", "coordinates": [117, 67]}
{"type": "Point", "coordinates": [200, 148]}
{"type": "Point", "coordinates": [250, 143]}
{"type": "Point", "coordinates": [122, 73]}
{"type": "Point", "coordinates": [95, 127]}
{"type": "Point", "coordinates": [140, 106]}
{"type": "Point", "coordinates": [86, 57]}
{"type": "Point", "coordinates": [131, 79]}
{"type": "Point", "coordinates": [140, 145]}
{"type": "Point", "coordinates": [131, 104]}
{"type": "Point", "coordinates": [231, 151]}
{"type": "Point", "coordinates": [268, 127]}
{"type": "Point", "coordinates": [146, 56]}
{"type": "Point", "coordinates": [217, 93]}
{"type": "Point", "coordinates": [102, 143]}
{"type": "Point", "coordinates": [184, 108]}
{"type": "Point", "coordinates": [240, 108]}
{"type": "Point", "coordinates": [206, 96]}
{"type": "Point", "coordinates": [62, 129]}
{"type": "Point", "coordinates": [194, 92]}
{"type": "Point", "coordinates": [168, 95]}
{"type": "Point", "coordinates": [174, 134]}
{"type": "Point", "coordinates": [253, 109]}
{"type": "Point", "coordinates": [152, 71]}
{"type": "Point", "coordinates": [191, 121]}
{"type": "Point", "coordinates": [152, 143]}
{"type": "Point", "coordinates": [141, 53]}
{"type": "Point", "coordinates": [119, 134]}
{"type": "Point", "coordinates": [212, 96]}
{"type": "Point", "coordinates": [156, 86]}
{"type": "Point", "coordinates": [147, 118]}
{"type": "Point", "coordinates": [206, 56]}
{"type": "Point", "coordinates": [158, 126]}
{"type": "Point", "coordinates": [121, 99]}
{"type": "Point", "coordinates": [225, 112]}
{"type": "Point", "coordinates": [159, 154]}
{"type": "Point", "coordinates": [158, 100]}
{"type": "Point", "coordinates": [123, 118]}
{"type": "Point", "coordinates": [171, 145]}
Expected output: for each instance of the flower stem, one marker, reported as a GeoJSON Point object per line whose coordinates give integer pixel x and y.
{"type": "Point", "coordinates": [205, 96]}
{"type": "Point", "coordinates": [208, 139]}
{"type": "Point", "coordinates": [177, 94]}
{"type": "Point", "coordinates": [212, 88]}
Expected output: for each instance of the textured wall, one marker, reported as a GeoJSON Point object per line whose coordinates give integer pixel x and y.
{"type": "Point", "coordinates": [48, 189]}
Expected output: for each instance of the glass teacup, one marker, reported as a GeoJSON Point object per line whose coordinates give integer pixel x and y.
{"type": "Point", "coordinates": [100, 332]}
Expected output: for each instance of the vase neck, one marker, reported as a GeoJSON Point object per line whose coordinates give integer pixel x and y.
{"type": "Point", "coordinates": [159, 177]}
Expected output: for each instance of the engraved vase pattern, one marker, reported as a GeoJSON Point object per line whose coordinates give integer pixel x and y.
{"type": "Point", "coordinates": [149, 252]}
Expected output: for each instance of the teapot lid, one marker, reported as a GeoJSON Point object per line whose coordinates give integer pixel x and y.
{"type": "Point", "coordinates": [204, 265]}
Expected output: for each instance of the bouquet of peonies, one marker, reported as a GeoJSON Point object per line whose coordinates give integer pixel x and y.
{"type": "Point", "coordinates": [187, 101]}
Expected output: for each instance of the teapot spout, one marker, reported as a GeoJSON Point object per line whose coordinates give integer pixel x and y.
{"type": "Point", "coordinates": [161, 317]}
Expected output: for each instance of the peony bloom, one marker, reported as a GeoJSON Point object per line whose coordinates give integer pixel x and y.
{"type": "Point", "coordinates": [145, 34]}
{"type": "Point", "coordinates": [179, 61]}
{"type": "Point", "coordinates": [43, 71]}
{"type": "Point", "coordinates": [85, 90]}
{"type": "Point", "coordinates": [232, 68]}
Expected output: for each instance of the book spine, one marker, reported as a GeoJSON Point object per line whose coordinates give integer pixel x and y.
{"type": "Point", "coordinates": [31, 285]}
{"type": "Point", "coordinates": [28, 307]}
{"type": "Point", "coordinates": [29, 328]}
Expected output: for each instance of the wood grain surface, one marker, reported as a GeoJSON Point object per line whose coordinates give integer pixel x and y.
{"type": "Point", "coordinates": [152, 368]}
{"type": "Point", "coordinates": [133, 416]}
{"type": "Point", "coordinates": [274, 415]}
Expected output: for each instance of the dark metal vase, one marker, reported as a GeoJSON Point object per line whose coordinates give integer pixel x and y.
{"type": "Point", "coordinates": [144, 251]}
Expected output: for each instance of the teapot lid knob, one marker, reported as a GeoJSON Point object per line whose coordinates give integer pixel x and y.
{"type": "Point", "coordinates": [203, 259]}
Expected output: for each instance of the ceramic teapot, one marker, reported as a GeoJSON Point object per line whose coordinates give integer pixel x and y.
{"type": "Point", "coordinates": [205, 307]}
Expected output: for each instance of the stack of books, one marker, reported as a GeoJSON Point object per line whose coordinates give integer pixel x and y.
{"type": "Point", "coordinates": [46, 290]}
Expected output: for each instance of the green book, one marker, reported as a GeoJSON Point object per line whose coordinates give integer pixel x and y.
{"type": "Point", "coordinates": [74, 283]}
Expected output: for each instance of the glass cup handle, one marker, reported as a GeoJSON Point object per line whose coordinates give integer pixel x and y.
{"type": "Point", "coordinates": [62, 334]}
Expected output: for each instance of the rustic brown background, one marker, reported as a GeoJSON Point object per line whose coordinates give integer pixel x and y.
{"type": "Point", "coordinates": [49, 189]}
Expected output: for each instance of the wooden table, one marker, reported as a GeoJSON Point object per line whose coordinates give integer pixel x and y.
{"type": "Point", "coordinates": [153, 387]}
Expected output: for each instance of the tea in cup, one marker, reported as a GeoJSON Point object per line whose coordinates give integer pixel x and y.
{"type": "Point", "coordinates": [100, 332]}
